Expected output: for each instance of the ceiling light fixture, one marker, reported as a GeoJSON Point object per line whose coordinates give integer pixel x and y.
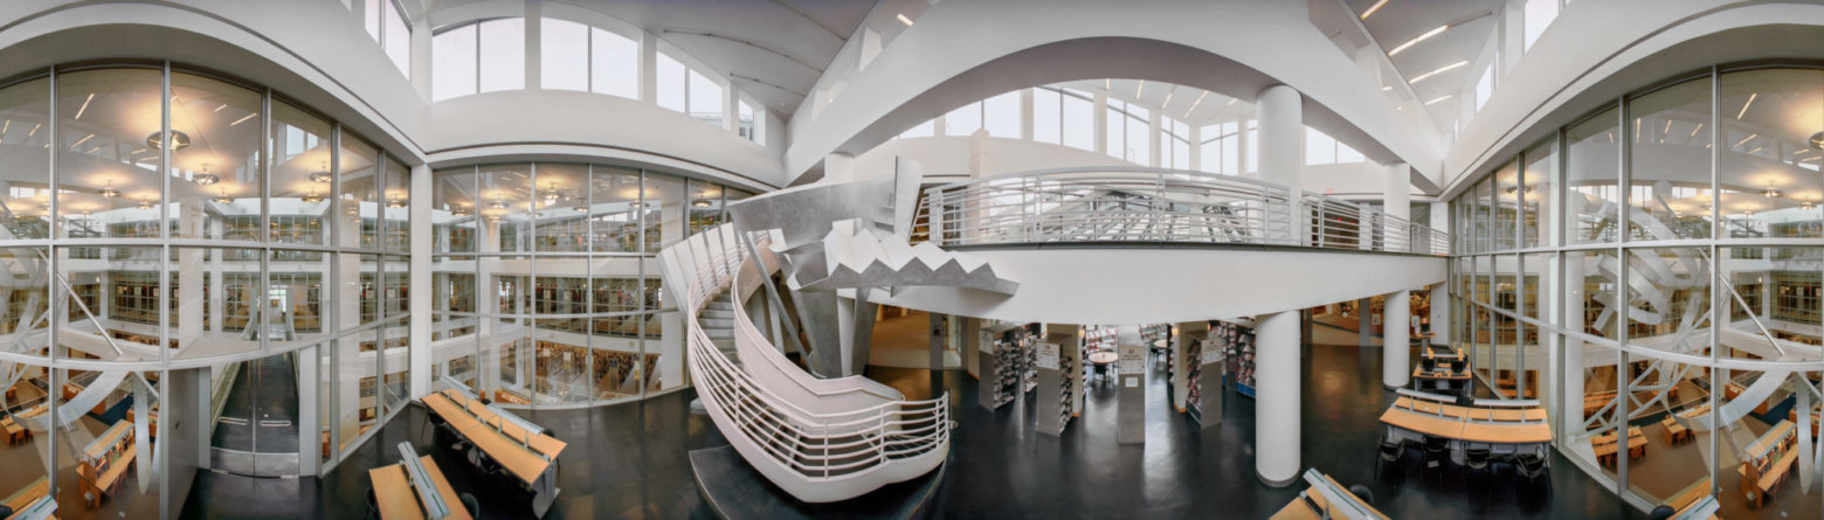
{"type": "Point", "coordinates": [395, 203]}
{"type": "Point", "coordinates": [1385, 88]}
{"type": "Point", "coordinates": [1738, 144]}
{"type": "Point", "coordinates": [243, 119]}
{"type": "Point", "coordinates": [145, 203]}
{"type": "Point", "coordinates": [1371, 9]}
{"type": "Point", "coordinates": [1694, 131]}
{"type": "Point", "coordinates": [498, 204]}
{"type": "Point", "coordinates": [34, 130]}
{"type": "Point", "coordinates": [179, 141]}
{"type": "Point", "coordinates": [321, 176]}
{"type": "Point", "coordinates": [1231, 101]}
{"type": "Point", "coordinates": [700, 203]}
{"type": "Point", "coordinates": [1415, 41]}
{"type": "Point", "coordinates": [219, 108]}
{"type": "Point", "coordinates": [903, 19]}
{"type": "Point", "coordinates": [1751, 96]}
{"type": "Point", "coordinates": [108, 192]}
{"type": "Point", "coordinates": [1168, 98]}
{"type": "Point", "coordinates": [312, 197]}
{"type": "Point", "coordinates": [85, 105]}
{"type": "Point", "coordinates": [1770, 192]}
{"type": "Point", "coordinates": [221, 197]}
{"type": "Point", "coordinates": [79, 142]}
{"type": "Point", "coordinates": [1805, 204]}
{"type": "Point", "coordinates": [1440, 70]}
{"type": "Point", "coordinates": [206, 178]}
{"type": "Point", "coordinates": [1437, 100]}
{"type": "Point", "coordinates": [581, 209]}
{"type": "Point", "coordinates": [1817, 141]}
{"type": "Point", "coordinates": [1140, 90]}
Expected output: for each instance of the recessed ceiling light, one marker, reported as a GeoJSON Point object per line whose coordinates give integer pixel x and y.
{"type": "Point", "coordinates": [1751, 96]}
{"type": "Point", "coordinates": [219, 108]}
{"type": "Point", "coordinates": [1386, 88]}
{"type": "Point", "coordinates": [1140, 90]}
{"type": "Point", "coordinates": [1440, 70]}
{"type": "Point", "coordinates": [904, 20]}
{"type": "Point", "coordinates": [1415, 41]}
{"type": "Point", "coordinates": [243, 119]}
{"type": "Point", "coordinates": [85, 105]}
{"type": "Point", "coordinates": [1371, 9]}
{"type": "Point", "coordinates": [1738, 144]}
{"type": "Point", "coordinates": [1438, 99]}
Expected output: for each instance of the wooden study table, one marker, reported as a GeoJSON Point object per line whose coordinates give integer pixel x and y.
{"type": "Point", "coordinates": [528, 456]}
{"type": "Point", "coordinates": [28, 496]}
{"type": "Point", "coordinates": [398, 500]}
{"type": "Point", "coordinates": [1464, 426]}
{"type": "Point", "coordinates": [106, 460]}
{"type": "Point", "coordinates": [1299, 510]}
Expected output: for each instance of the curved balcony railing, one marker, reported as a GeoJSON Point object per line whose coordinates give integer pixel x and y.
{"type": "Point", "coordinates": [821, 443]}
{"type": "Point", "coordinates": [1136, 204]}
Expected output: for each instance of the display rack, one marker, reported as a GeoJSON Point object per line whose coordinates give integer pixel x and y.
{"type": "Point", "coordinates": [1237, 344]}
{"type": "Point", "coordinates": [1191, 359]}
{"type": "Point", "coordinates": [1204, 386]}
{"type": "Point", "coordinates": [1007, 363]}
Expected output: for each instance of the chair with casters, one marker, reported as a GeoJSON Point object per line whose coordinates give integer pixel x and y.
{"type": "Point", "coordinates": [472, 505]}
{"type": "Point", "coordinates": [1436, 452]}
{"type": "Point", "coordinates": [1476, 459]}
{"type": "Point", "coordinates": [1362, 492]}
{"type": "Point", "coordinates": [1662, 512]}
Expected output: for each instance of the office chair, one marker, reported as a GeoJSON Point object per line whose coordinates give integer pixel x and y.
{"type": "Point", "coordinates": [1362, 492]}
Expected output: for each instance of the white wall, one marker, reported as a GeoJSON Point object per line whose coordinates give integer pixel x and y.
{"type": "Point", "coordinates": [1120, 285]}
{"type": "Point", "coordinates": [962, 51]}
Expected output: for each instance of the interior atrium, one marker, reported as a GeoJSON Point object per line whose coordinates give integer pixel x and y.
{"type": "Point", "coordinates": [911, 259]}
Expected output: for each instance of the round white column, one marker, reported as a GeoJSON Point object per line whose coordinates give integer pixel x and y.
{"type": "Point", "coordinates": [1276, 391]}
{"type": "Point", "coordinates": [1396, 314]}
{"type": "Point", "coordinates": [1282, 145]}
{"type": "Point", "coordinates": [1396, 340]}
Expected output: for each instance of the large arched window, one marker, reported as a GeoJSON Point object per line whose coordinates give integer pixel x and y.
{"type": "Point", "coordinates": [477, 57]}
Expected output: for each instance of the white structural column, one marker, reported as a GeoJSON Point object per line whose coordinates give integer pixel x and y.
{"type": "Point", "coordinates": [1396, 314]}
{"type": "Point", "coordinates": [1276, 421]}
{"type": "Point", "coordinates": [1440, 293]}
{"type": "Point", "coordinates": [1276, 387]}
{"type": "Point", "coordinates": [1282, 142]}
{"type": "Point", "coordinates": [419, 340]}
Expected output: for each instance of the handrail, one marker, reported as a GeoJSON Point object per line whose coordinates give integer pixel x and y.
{"type": "Point", "coordinates": [817, 455]}
{"type": "Point", "coordinates": [1138, 204]}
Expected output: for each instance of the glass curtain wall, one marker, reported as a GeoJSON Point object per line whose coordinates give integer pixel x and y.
{"type": "Point", "coordinates": [211, 239]}
{"type": "Point", "coordinates": [1654, 266]}
{"type": "Point", "coordinates": [546, 278]}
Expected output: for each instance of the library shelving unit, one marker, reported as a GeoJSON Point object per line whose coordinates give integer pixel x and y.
{"type": "Point", "coordinates": [1054, 397]}
{"type": "Point", "coordinates": [1204, 381]}
{"type": "Point", "coordinates": [1007, 363]}
{"type": "Point", "coordinates": [1237, 343]}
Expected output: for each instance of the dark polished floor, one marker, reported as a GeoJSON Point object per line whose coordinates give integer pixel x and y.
{"type": "Point", "coordinates": [630, 461]}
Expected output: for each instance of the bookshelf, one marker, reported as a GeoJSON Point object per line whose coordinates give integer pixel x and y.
{"type": "Point", "coordinates": [1237, 344]}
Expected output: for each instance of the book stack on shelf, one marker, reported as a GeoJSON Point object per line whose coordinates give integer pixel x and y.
{"type": "Point", "coordinates": [1029, 356]}
{"type": "Point", "coordinates": [1066, 389]}
{"type": "Point", "coordinates": [1237, 342]}
{"type": "Point", "coordinates": [1007, 371]}
{"type": "Point", "coordinates": [1193, 389]}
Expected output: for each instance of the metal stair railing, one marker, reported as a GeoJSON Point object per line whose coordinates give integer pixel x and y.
{"type": "Point", "coordinates": [816, 456]}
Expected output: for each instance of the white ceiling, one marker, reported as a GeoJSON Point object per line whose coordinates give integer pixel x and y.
{"type": "Point", "coordinates": [1472, 25]}
{"type": "Point", "coordinates": [773, 50]}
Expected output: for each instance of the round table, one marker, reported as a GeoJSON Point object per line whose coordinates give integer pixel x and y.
{"type": "Point", "coordinates": [1102, 360]}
